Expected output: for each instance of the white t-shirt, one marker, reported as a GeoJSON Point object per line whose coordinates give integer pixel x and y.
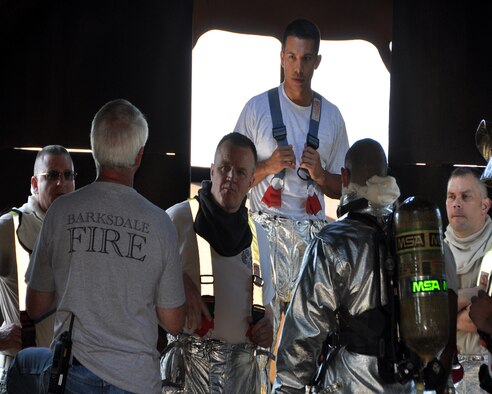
{"type": "Point", "coordinates": [232, 277]}
{"type": "Point", "coordinates": [255, 122]}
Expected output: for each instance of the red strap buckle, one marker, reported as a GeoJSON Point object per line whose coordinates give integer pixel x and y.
{"type": "Point", "coordinates": [313, 205]}
{"type": "Point", "coordinates": [272, 197]}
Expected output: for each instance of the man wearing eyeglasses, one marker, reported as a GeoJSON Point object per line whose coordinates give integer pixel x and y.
{"type": "Point", "coordinates": [19, 228]}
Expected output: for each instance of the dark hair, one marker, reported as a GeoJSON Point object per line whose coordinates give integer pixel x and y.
{"type": "Point", "coordinates": [238, 139]}
{"type": "Point", "coordinates": [302, 28]}
{"type": "Point", "coordinates": [364, 159]}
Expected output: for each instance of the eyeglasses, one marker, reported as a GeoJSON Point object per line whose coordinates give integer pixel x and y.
{"type": "Point", "coordinates": [54, 175]}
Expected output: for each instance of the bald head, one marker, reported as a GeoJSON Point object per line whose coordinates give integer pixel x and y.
{"type": "Point", "coordinates": [364, 159]}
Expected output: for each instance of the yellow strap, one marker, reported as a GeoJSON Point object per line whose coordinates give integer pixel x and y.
{"type": "Point", "coordinates": [22, 259]}
{"type": "Point", "coordinates": [204, 256]}
{"type": "Point", "coordinates": [256, 265]}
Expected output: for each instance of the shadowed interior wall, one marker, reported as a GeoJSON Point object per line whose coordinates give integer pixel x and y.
{"type": "Point", "coordinates": [441, 87]}
{"type": "Point", "coordinates": [62, 60]}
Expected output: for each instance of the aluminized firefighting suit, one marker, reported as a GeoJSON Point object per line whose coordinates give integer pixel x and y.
{"type": "Point", "coordinates": [212, 363]}
{"type": "Point", "coordinates": [337, 272]}
{"type": "Point", "coordinates": [288, 242]}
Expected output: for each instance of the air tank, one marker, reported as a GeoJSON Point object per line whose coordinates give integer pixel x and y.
{"type": "Point", "coordinates": [424, 316]}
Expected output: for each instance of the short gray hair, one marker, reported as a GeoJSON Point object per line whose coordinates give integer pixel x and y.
{"type": "Point", "coordinates": [50, 150]}
{"type": "Point", "coordinates": [118, 132]}
{"type": "Point", "coordinates": [460, 172]}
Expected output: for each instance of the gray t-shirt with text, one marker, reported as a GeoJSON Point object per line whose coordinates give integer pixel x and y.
{"type": "Point", "coordinates": [111, 256]}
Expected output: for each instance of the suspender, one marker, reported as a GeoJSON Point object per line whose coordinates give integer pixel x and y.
{"type": "Point", "coordinates": [279, 130]}
{"type": "Point", "coordinates": [257, 298]}
{"type": "Point", "coordinates": [272, 196]}
{"type": "Point", "coordinates": [204, 256]}
{"type": "Point", "coordinates": [22, 261]}
{"type": "Point", "coordinates": [205, 261]}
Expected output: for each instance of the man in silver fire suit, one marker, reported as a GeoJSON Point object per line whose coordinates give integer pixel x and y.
{"type": "Point", "coordinates": [223, 253]}
{"type": "Point", "coordinates": [338, 284]}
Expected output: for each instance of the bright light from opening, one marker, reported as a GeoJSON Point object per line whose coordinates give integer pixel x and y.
{"type": "Point", "coordinates": [37, 149]}
{"type": "Point", "coordinates": [468, 165]}
{"type": "Point", "coordinates": [230, 68]}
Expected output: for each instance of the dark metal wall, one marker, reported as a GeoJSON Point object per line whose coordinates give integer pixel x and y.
{"type": "Point", "coordinates": [62, 60]}
{"type": "Point", "coordinates": [441, 87]}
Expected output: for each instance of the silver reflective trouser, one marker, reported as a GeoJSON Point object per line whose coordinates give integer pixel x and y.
{"type": "Point", "coordinates": [5, 362]}
{"type": "Point", "coordinates": [199, 366]}
{"type": "Point", "coordinates": [288, 241]}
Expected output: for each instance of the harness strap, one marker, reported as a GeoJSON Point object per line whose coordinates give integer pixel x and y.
{"type": "Point", "coordinates": [278, 127]}
{"type": "Point", "coordinates": [257, 282]}
{"type": "Point", "coordinates": [22, 259]}
{"type": "Point", "coordinates": [279, 132]}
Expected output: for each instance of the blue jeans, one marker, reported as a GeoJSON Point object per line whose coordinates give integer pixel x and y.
{"type": "Point", "coordinates": [82, 381]}
{"type": "Point", "coordinates": [30, 373]}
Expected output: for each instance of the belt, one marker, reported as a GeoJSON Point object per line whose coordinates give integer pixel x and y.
{"type": "Point", "coordinates": [279, 218]}
{"type": "Point", "coordinates": [472, 357]}
{"type": "Point", "coordinates": [199, 345]}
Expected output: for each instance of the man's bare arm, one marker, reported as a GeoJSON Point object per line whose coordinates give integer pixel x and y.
{"type": "Point", "coordinates": [171, 319]}
{"type": "Point", "coordinates": [39, 303]}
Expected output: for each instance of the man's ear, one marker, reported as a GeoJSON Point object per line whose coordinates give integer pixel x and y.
{"type": "Point", "coordinates": [345, 174]}
{"type": "Point", "coordinates": [318, 61]}
{"type": "Point", "coordinates": [138, 159]}
{"type": "Point", "coordinates": [251, 182]}
{"type": "Point", "coordinates": [212, 169]}
{"type": "Point", "coordinates": [486, 203]}
{"type": "Point", "coordinates": [34, 185]}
